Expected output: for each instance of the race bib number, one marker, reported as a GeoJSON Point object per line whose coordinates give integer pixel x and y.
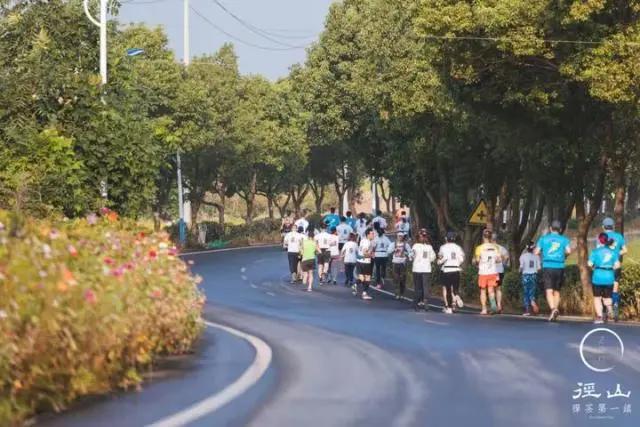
{"type": "Point", "coordinates": [324, 242]}
{"type": "Point", "coordinates": [454, 256]}
{"type": "Point", "coordinates": [532, 264]}
{"type": "Point", "coordinates": [351, 250]}
{"type": "Point", "coordinates": [425, 255]}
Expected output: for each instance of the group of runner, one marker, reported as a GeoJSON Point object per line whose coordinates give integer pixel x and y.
{"type": "Point", "coordinates": [361, 246]}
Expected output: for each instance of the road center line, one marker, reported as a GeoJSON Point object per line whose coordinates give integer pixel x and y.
{"type": "Point", "coordinates": [212, 403]}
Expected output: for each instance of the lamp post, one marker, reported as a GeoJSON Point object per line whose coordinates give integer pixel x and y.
{"type": "Point", "coordinates": [102, 24]}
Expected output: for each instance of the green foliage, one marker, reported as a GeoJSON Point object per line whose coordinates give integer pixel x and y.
{"type": "Point", "coordinates": [85, 307]}
{"type": "Point", "coordinates": [630, 290]}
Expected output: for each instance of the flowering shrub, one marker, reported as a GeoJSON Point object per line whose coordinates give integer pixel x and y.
{"type": "Point", "coordinates": [85, 305]}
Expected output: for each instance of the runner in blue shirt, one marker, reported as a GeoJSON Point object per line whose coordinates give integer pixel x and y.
{"type": "Point", "coordinates": [351, 221]}
{"type": "Point", "coordinates": [604, 261]}
{"type": "Point", "coordinates": [332, 219]}
{"type": "Point", "coordinates": [620, 246]}
{"type": "Point", "coordinates": [553, 248]}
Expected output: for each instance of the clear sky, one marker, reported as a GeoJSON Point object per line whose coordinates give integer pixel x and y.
{"type": "Point", "coordinates": [273, 24]}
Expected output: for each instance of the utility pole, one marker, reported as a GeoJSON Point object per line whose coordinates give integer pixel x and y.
{"type": "Point", "coordinates": [186, 53]}
{"type": "Point", "coordinates": [102, 24]}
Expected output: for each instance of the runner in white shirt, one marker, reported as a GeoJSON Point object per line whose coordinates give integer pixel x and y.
{"type": "Point", "coordinates": [292, 243]}
{"type": "Point", "coordinates": [382, 244]}
{"type": "Point", "coordinates": [379, 219]}
{"type": "Point", "coordinates": [349, 255]}
{"type": "Point", "coordinates": [323, 239]}
{"type": "Point", "coordinates": [450, 259]}
{"type": "Point", "coordinates": [344, 231]}
{"type": "Point", "coordinates": [403, 226]}
{"type": "Point", "coordinates": [401, 253]}
{"type": "Point", "coordinates": [302, 222]}
{"type": "Point", "coordinates": [366, 252]}
{"type": "Point", "coordinates": [334, 252]}
{"type": "Point", "coordinates": [423, 256]}
{"type": "Point", "coordinates": [361, 226]}
{"type": "Point", "coordinates": [529, 267]}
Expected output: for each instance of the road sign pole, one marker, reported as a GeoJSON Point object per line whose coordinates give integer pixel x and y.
{"type": "Point", "coordinates": [186, 53]}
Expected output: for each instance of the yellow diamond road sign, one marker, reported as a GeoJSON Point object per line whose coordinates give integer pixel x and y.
{"type": "Point", "coordinates": [480, 214]}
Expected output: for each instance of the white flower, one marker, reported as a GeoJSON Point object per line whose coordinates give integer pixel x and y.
{"type": "Point", "coordinates": [3, 314]}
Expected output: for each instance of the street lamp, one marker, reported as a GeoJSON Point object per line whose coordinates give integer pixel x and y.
{"type": "Point", "coordinates": [102, 24]}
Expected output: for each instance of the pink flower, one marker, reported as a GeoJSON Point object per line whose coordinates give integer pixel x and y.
{"type": "Point", "coordinates": [129, 266]}
{"type": "Point", "coordinates": [90, 296]}
{"type": "Point", "coordinates": [72, 250]}
{"type": "Point", "coordinates": [173, 251]}
{"type": "Point", "coordinates": [92, 219]}
{"type": "Point", "coordinates": [109, 260]}
{"type": "Point", "coordinates": [54, 234]}
{"type": "Point", "coordinates": [153, 254]}
{"type": "Point", "coordinates": [117, 272]}
{"type": "Point", "coordinates": [104, 210]}
{"type": "Point", "coordinates": [156, 294]}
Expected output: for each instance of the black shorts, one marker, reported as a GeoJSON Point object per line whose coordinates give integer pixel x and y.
{"type": "Point", "coordinates": [500, 279]}
{"type": "Point", "coordinates": [450, 279]}
{"type": "Point", "coordinates": [365, 269]}
{"type": "Point", "coordinates": [618, 274]}
{"type": "Point", "coordinates": [324, 257]}
{"type": "Point", "coordinates": [602, 291]}
{"type": "Point", "coordinates": [308, 265]}
{"type": "Point", "coordinates": [553, 278]}
{"type": "Point", "coordinates": [340, 246]}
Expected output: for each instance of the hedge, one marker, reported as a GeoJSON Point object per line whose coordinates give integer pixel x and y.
{"type": "Point", "coordinates": [85, 307]}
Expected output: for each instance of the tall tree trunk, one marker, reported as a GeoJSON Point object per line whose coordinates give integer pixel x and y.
{"type": "Point", "coordinates": [195, 203]}
{"type": "Point", "coordinates": [318, 195]}
{"type": "Point", "coordinates": [585, 219]}
{"type": "Point", "coordinates": [282, 207]}
{"type": "Point", "coordinates": [386, 196]}
{"type": "Point", "coordinates": [221, 209]}
{"type": "Point", "coordinates": [340, 191]}
{"type": "Point", "coordinates": [270, 207]}
{"type": "Point", "coordinates": [620, 189]}
{"type": "Point", "coordinates": [634, 196]}
{"type": "Point", "coordinates": [298, 194]}
{"type": "Point", "coordinates": [250, 198]}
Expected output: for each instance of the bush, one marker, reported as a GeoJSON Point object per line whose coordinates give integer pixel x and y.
{"type": "Point", "coordinates": [630, 290]}
{"type": "Point", "coordinates": [261, 231]}
{"type": "Point", "coordinates": [85, 306]}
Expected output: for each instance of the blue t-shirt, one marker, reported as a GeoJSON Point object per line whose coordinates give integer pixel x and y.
{"type": "Point", "coordinates": [553, 250]}
{"type": "Point", "coordinates": [619, 241]}
{"type": "Point", "coordinates": [604, 260]}
{"type": "Point", "coordinates": [332, 220]}
{"type": "Point", "coordinates": [352, 222]}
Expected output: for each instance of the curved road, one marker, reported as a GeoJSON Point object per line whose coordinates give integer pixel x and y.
{"type": "Point", "coordinates": [340, 361]}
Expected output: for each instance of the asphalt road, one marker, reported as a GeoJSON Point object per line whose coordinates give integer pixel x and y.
{"type": "Point", "coordinates": [340, 361]}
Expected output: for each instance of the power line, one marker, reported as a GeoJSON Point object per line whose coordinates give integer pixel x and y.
{"type": "Point", "coordinates": [507, 39]}
{"type": "Point", "coordinates": [221, 30]}
{"type": "Point", "coordinates": [253, 28]}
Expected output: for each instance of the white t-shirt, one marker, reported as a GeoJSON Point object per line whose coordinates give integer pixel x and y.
{"type": "Point", "coordinates": [488, 256]}
{"type": "Point", "coordinates": [361, 228]}
{"type": "Point", "coordinates": [504, 254]}
{"type": "Point", "coordinates": [350, 252]}
{"type": "Point", "coordinates": [302, 222]}
{"type": "Point", "coordinates": [363, 251]}
{"type": "Point", "coordinates": [344, 230]}
{"type": "Point", "coordinates": [451, 257]}
{"type": "Point", "coordinates": [380, 220]}
{"type": "Point", "coordinates": [293, 241]}
{"type": "Point", "coordinates": [322, 239]}
{"type": "Point", "coordinates": [382, 246]}
{"type": "Point", "coordinates": [333, 245]}
{"type": "Point", "coordinates": [400, 252]}
{"type": "Point", "coordinates": [423, 256]}
{"type": "Point", "coordinates": [529, 263]}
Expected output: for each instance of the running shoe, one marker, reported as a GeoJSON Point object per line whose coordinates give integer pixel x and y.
{"type": "Point", "coordinates": [598, 321]}
{"type": "Point", "coordinates": [354, 290]}
{"type": "Point", "coordinates": [484, 313]}
{"type": "Point", "coordinates": [293, 278]}
{"type": "Point", "coordinates": [459, 301]}
{"type": "Point", "coordinates": [397, 297]}
{"type": "Point", "coordinates": [535, 307]}
{"type": "Point", "coordinates": [448, 310]}
{"type": "Point", "coordinates": [421, 304]}
{"type": "Point", "coordinates": [335, 283]}
{"type": "Point", "coordinates": [526, 314]}
{"type": "Point", "coordinates": [365, 296]}
{"type": "Point", "coordinates": [309, 289]}
{"type": "Point", "coordinates": [554, 315]}
{"type": "Point", "coordinates": [378, 286]}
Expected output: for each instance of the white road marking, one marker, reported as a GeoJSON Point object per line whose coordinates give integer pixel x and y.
{"type": "Point", "coordinates": [249, 378]}
{"type": "Point", "coordinates": [254, 286]}
{"type": "Point", "coordinates": [243, 269]}
{"type": "Point", "coordinates": [243, 277]}
{"type": "Point", "coordinates": [211, 251]}
{"type": "Point", "coordinates": [271, 294]}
